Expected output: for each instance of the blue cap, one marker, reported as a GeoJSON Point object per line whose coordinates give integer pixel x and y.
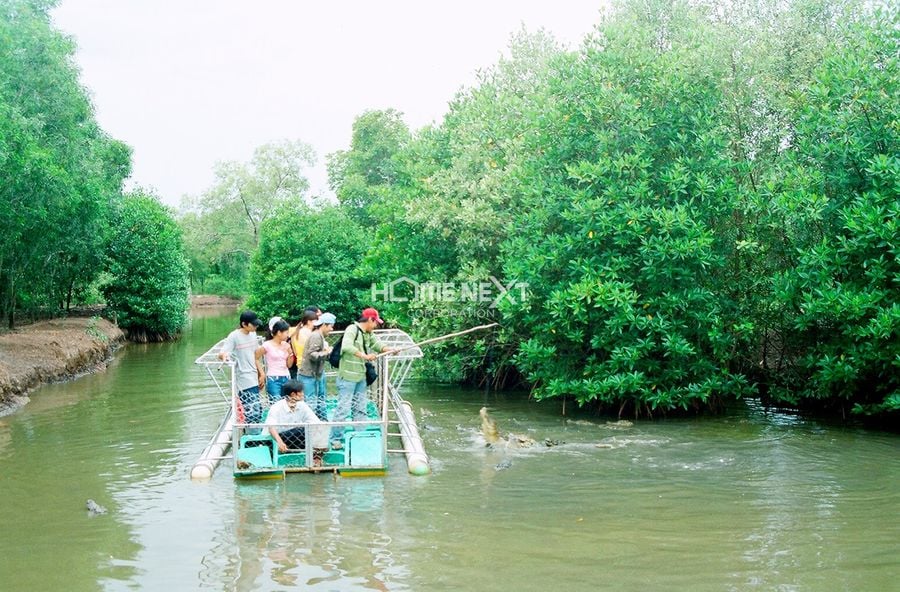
{"type": "Point", "coordinates": [326, 319]}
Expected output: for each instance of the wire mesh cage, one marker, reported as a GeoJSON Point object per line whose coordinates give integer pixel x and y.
{"type": "Point", "coordinates": [358, 442]}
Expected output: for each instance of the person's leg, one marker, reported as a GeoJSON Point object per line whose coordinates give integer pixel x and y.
{"type": "Point", "coordinates": [273, 388]}
{"type": "Point", "coordinates": [252, 407]}
{"type": "Point", "coordinates": [342, 411]}
{"type": "Point", "coordinates": [323, 399]}
{"type": "Point", "coordinates": [294, 438]}
{"type": "Point", "coordinates": [360, 401]}
{"type": "Point", "coordinates": [309, 390]}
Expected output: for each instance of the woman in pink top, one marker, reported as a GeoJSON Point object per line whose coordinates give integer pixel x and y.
{"type": "Point", "coordinates": [278, 356]}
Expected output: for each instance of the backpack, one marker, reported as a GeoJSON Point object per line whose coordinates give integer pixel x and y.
{"type": "Point", "coordinates": [334, 358]}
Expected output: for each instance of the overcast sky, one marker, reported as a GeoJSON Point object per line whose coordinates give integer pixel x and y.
{"type": "Point", "coordinates": [188, 83]}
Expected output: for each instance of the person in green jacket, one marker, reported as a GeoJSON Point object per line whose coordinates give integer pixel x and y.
{"type": "Point", "coordinates": [358, 346]}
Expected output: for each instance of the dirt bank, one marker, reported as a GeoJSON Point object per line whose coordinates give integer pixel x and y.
{"type": "Point", "coordinates": [199, 300]}
{"type": "Point", "coordinates": [49, 351]}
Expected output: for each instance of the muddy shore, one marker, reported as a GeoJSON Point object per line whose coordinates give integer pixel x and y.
{"type": "Point", "coordinates": [61, 349]}
{"type": "Point", "coordinates": [51, 351]}
{"type": "Point", "coordinates": [201, 300]}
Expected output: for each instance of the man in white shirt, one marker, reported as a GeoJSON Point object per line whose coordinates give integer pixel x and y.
{"type": "Point", "coordinates": [240, 346]}
{"type": "Point", "coordinates": [292, 410]}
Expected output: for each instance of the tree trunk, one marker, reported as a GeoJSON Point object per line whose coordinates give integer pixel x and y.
{"type": "Point", "coordinates": [12, 302]}
{"type": "Point", "coordinates": [69, 296]}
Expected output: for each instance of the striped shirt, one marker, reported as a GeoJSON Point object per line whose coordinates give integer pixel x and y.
{"type": "Point", "coordinates": [242, 349]}
{"type": "Point", "coordinates": [355, 340]}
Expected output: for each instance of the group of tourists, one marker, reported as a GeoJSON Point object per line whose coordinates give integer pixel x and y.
{"type": "Point", "coordinates": [290, 367]}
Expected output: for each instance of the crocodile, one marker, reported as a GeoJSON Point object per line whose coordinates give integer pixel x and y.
{"type": "Point", "coordinates": [94, 509]}
{"type": "Point", "coordinates": [492, 434]}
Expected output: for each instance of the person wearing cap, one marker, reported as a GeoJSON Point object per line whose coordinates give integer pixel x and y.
{"type": "Point", "coordinates": [240, 346]}
{"type": "Point", "coordinates": [277, 353]}
{"type": "Point", "coordinates": [358, 346]}
{"type": "Point", "coordinates": [312, 366]}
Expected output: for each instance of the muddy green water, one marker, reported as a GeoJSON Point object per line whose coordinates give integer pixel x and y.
{"type": "Point", "coordinates": [748, 501]}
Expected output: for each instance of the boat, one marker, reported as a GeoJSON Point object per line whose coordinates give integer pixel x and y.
{"type": "Point", "coordinates": [365, 446]}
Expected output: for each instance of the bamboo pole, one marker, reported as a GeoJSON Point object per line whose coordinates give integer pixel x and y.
{"type": "Point", "coordinates": [441, 338]}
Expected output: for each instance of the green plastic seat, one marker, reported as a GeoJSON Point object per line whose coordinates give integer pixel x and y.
{"type": "Point", "coordinates": [258, 457]}
{"type": "Point", "coordinates": [333, 458]}
{"type": "Point", "coordinates": [364, 449]}
{"type": "Point", "coordinates": [292, 459]}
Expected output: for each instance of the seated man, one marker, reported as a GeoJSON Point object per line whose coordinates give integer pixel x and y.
{"type": "Point", "coordinates": [292, 410]}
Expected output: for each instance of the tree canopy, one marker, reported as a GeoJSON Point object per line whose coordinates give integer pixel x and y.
{"type": "Point", "coordinates": [61, 182]}
{"type": "Point", "coordinates": [701, 198]}
{"type": "Point", "coordinates": [222, 225]}
{"type": "Point", "coordinates": [309, 257]}
{"type": "Point", "coordinates": [148, 289]}
{"type": "Point", "coordinates": [60, 172]}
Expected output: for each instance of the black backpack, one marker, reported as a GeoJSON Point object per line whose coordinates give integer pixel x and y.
{"type": "Point", "coordinates": [334, 358]}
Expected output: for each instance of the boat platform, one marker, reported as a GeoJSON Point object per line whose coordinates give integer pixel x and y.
{"type": "Point", "coordinates": [389, 426]}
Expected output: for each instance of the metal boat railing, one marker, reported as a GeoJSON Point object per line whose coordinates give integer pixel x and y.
{"type": "Point", "coordinates": [393, 370]}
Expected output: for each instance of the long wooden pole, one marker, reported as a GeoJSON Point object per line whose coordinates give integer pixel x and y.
{"type": "Point", "coordinates": [441, 338]}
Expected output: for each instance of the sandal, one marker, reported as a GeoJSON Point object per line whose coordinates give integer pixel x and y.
{"type": "Point", "coordinates": [318, 453]}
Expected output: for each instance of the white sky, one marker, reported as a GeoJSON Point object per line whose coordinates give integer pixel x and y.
{"type": "Point", "coordinates": [187, 83]}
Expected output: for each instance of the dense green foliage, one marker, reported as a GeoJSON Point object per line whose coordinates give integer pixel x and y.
{"type": "Point", "coordinates": [61, 193]}
{"type": "Point", "coordinates": [702, 200]}
{"type": "Point", "coordinates": [149, 286]}
{"type": "Point", "coordinates": [308, 257]}
{"type": "Point", "coordinates": [636, 224]}
{"type": "Point", "coordinates": [60, 172]}
{"type": "Point", "coordinates": [222, 226]}
{"type": "Point", "coordinates": [360, 175]}
{"type": "Point", "coordinates": [843, 293]}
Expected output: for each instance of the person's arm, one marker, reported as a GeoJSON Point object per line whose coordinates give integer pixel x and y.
{"type": "Point", "coordinates": [227, 348]}
{"type": "Point", "coordinates": [260, 370]}
{"type": "Point", "coordinates": [379, 347]}
{"type": "Point", "coordinates": [309, 416]}
{"type": "Point", "coordinates": [273, 431]}
{"type": "Point", "coordinates": [316, 347]}
{"type": "Point", "coordinates": [348, 343]}
{"type": "Point", "coordinates": [272, 421]}
{"type": "Point", "coordinates": [317, 432]}
{"type": "Point", "coordinates": [291, 358]}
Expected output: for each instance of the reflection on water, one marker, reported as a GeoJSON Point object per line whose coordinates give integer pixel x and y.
{"type": "Point", "coordinates": [748, 501]}
{"type": "Point", "coordinates": [317, 533]}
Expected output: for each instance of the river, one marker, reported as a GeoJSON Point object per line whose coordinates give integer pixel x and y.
{"type": "Point", "coordinates": [743, 501]}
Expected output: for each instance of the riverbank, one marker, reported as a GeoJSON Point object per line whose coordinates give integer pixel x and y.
{"type": "Point", "coordinates": [203, 300]}
{"type": "Point", "coordinates": [50, 351]}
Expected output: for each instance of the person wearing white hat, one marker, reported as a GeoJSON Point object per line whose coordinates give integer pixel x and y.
{"type": "Point", "coordinates": [312, 364]}
{"type": "Point", "coordinates": [277, 353]}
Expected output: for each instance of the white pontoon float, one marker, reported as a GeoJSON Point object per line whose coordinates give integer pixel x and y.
{"type": "Point", "coordinates": [365, 444]}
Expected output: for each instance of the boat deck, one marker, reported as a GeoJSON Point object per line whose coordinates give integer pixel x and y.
{"type": "Point", "coordinates": [362, 450]}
